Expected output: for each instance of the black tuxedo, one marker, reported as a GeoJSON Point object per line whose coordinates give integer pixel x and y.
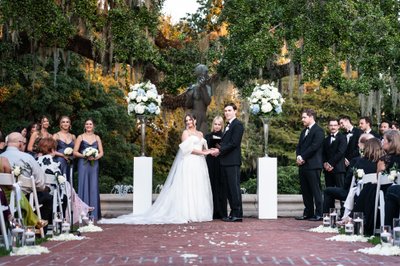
{"type": "Point", "coordinates": [230, 160]}
{"type": "Point", "coordinates": [352, 150]}
{"type": "Point", "coordinates": [375, 134]}
{"type": "Point", "coordinates": [310, 149]}
{"type": "Point", "coordinates": [334, 149]}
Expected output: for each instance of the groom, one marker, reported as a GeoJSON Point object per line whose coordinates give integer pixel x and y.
{"type": "Point", "coordinates": [229, 152]}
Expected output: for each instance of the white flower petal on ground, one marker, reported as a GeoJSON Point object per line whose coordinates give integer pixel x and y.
{"type": "Point", "coordinates": [66, 237]}
{"type": "Point", "coordinates": [90, 228]}
{"type": "Point", "coordinates": [29, 250]}
{"type": "Point", "coordinates": [348, 238]}
{"type": "Point", "coordinates": [386, 250]}
{"type": "Point", "coordinates": [322, 229]}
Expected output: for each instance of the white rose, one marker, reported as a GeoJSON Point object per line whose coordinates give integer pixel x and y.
{"type": "Point", "coordinates": [139, 99]}
{"type": "Point", "coordinates": [145, 98]}
{"type": "Point", "coordinates": [152, 95]}
{"type": "Point", "coordinates": [132, 95]}
{"type": "Point", "coordinates": [360, 173]}
{"type": "Point", "coordinates": [139, 109]}
{"type": "Point", "coordinates": [131, 108]}
{"type": "Point", "coordinates": [158, 110]}
{"type": "Point", "coordinates": [266, 108]}
{"type": "Point", "coordinates": [61, 179]}
{"type": "Point", "coordinates": [68, 151]}
{"type": "Point", "coordinates": [17, 171]}
{"type": "Point", "coordinates": [264, 87]}
{"type": "Point", "coordinates": [275, 102]}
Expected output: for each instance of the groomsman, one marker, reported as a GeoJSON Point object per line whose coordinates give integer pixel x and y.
{"type": "Point", "coordinates": [309, 160]}
{"type": "Point", "coordinates": [365, 125]}
{"type": "Point", "coordinates": [383, 127]}
{"type": "Point", "coordinates": [229, 152]}
{"type": "Point", "coordinates": [334, 149]}
{"type": "Point", "coordinates": [352, 134]}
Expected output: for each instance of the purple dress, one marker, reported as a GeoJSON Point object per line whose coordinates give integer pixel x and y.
{"type": "Point", "coordinates": [88, 180]}
{"type": "Point", "coordinates": [64, 166]}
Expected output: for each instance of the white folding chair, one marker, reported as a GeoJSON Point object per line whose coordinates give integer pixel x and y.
{"type": "Point", "coordinates": [14, 205]}
{"type": "Point", "coordinates": [29, 182]}
{"type": "Point", "coordinates": [380, 200]}
{"type": "Point", "coordinates": [57, 192]}
{"type": "Point", "coordinates": [355, 188]}
{"type": "Point", "coordinates": [15, 196]}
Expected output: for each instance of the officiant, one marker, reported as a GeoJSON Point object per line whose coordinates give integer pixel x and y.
{"type": "Point", "coordinates": [214, 169]}
{"type": "Point", "coordinates": [198, 97]}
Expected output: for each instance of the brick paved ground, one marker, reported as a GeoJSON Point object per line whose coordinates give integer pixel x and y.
{"type": "Point", "coordinates": [253, 242]}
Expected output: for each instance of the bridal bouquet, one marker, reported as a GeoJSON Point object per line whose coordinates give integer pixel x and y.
{"type": "Point", "coordinates": [143, 99]}
{"type": "Point", "coordinates": [90, 152]}
{"type": "Point", "coordinates": [266, 100]}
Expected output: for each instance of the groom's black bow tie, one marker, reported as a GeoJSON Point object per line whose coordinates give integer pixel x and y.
{"type": "Point", "coordinates": [227, 124]}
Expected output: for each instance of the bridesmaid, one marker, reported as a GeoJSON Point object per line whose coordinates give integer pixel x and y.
{"type": "Point", "coordinates": [214, 168]}
{"type": "Point", "coordinates": [64, 140]}
{"type": "Point", "coordinates": [41, 132]}
{"type": "Point", "coordinates": [88, 167]}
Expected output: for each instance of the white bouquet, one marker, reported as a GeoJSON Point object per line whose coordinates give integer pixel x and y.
{"type": "Point", "coordinates": [60, 179]}
{"type": "Point", "coordinates": [16, 170]}
{"type": "Point", "coordinates": [143, 99]}
{"type": "Point", "coordinates": [90, 152]}
{"type": "Point", "coordinates": [266, 100]}
{"type": "Point", "coordinates": [68, 151]}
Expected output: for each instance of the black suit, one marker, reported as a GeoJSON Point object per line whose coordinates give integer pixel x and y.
{"type": "Point", "coordinates": [352, 150]}
{"type": "Point", "coordinates": [334, 149]}
{"type": "Point", "coordinates": [310, 149]}
{"type": "Point", "coordinates": [230, 160]}
{"type": "Point", "coordinates": [375, 134]}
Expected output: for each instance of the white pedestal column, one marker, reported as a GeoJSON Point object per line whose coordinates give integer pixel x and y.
{"type": "Point", "coordinates": [142, 184]}
{"type": "Point", "coordinates": [267, 188]}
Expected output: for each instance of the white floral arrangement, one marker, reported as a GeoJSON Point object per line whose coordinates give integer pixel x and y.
{"type": "Point", "coordinates": [393, 174]}
{"type": "Point", "coordinates": [29, 250]}
{"type": "Point", "coordinates": [322, 229]}
{"type": "Point", "coordinates": [358, 173]}
{"type": "Point", "coordinates": [68, 151]}
{"type": "Point", "coordinates": [348, 238]}
{"type": "Point", "coordinates": [143, 99]}
{"type": "Point", "coordinates": [16, 170]}
{"type": "Point", "coordinates": [90, 228]}
{"type": "Point", "coordinates": [67, 237]}
{"type": "Point", "coordinates": [382, 250]}
{"type": "Point", "coordinates": [60, 179]}
{"type": "Point", "coordinates": [266, 100]}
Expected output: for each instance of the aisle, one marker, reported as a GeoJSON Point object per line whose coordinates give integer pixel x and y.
{"type": "Point", "coordinates": [253, 242]}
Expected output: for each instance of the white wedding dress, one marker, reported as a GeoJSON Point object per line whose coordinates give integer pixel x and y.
{"type": "Point", "coordinates": [186, 195]}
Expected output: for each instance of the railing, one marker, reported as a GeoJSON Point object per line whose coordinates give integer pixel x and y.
{"type": "Point", "coordinates": [113, 205]}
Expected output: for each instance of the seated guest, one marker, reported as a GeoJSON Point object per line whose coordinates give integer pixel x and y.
{"type": "Point", "coordinates": [30, 167]}
{"type": "Point", "coordinates": [29, 218]}
{"type": "Point", "coordinates": [364, 162]}
{"type": "Point", "coordinates": [366, 200]}
{"type": "Point", "coordinates": [392, 204]}
{"type": "Point", "coordinates": [47, 162]}
{"type": "Point", "coordinates": [392, 199]}
{"type": "Point", "coordinates": [2, 142]}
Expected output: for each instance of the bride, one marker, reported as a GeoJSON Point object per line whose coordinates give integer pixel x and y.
{"type": "Point", "coordinates": [186, 195]}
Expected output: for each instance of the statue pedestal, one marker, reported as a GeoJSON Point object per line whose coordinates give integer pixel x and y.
{"type": "Point", "coordinates": [267, 188]}
{"type": "Point", "coordinates": [142, 184]}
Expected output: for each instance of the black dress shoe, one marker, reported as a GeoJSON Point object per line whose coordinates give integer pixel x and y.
{"type": "Point", "coordinates": [302, 218]}
{"type": "Point", "coordinates": [315, 218]}
{"type": "Point", "coordinates": [232, 219]}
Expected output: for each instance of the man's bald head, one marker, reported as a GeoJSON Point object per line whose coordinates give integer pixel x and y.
{"type": "Point", "coordinates": [15, 139]}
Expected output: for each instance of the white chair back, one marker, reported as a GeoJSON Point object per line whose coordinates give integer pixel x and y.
{"type": "Point", "coordinates": [29, 182]}
{"type": "Point", "coordinates": [7, 179]}
{"type": "Point", "coordinates": [4, 231]}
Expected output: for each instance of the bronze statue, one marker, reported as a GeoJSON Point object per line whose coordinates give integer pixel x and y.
{"type": "Point", "coordinates": [198, 97]}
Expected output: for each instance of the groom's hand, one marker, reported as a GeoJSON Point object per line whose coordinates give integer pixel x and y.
{"type": "Point", "coordinates": [214, 152]}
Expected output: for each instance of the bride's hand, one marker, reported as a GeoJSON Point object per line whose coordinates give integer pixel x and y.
{"type": "Point", "coordinates": [206, 152]}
